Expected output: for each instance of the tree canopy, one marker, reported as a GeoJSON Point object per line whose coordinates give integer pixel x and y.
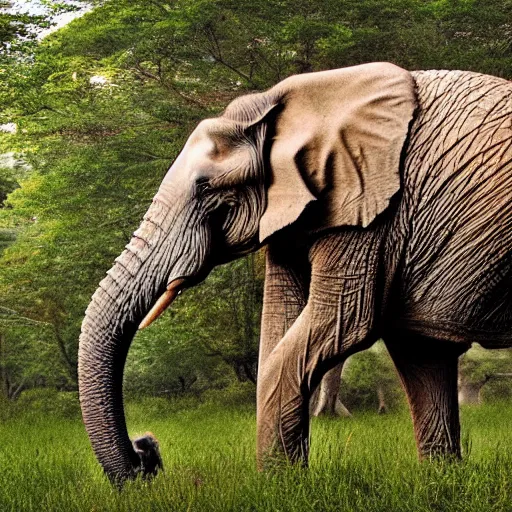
{"type": "Point", "coordinates": [100, 108]}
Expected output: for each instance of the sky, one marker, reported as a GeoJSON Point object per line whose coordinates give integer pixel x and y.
{"type": "Point", "coordinates": [32, 7]}
{"type": "Point", "coordinates": [35, 7]}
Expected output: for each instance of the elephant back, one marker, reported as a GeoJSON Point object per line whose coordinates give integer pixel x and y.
{"type": "Point", "coordinates": [454, 221]}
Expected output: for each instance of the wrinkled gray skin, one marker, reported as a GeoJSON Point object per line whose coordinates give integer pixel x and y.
{"type": "Point", "coordinates": [430, 275]}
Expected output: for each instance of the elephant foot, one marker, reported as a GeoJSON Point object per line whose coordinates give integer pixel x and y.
{"type": "Point", "coordinates": [444, 452]}
{"type": "Point", "coordinates": [285, 441]}
{"type": "Point", "coordinates": [282, 416]}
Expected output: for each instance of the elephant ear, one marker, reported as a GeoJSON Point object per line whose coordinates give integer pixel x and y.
{"type": "Point", "coordinates": [338, 142]}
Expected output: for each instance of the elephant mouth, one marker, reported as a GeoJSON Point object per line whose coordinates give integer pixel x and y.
{"type": "Point", "coordinates": [173, 290]}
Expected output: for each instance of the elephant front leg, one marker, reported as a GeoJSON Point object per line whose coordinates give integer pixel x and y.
{"type": "Point", "coordinates": [428, 371]}
{"type": "Point", "coordinates": [284, 388]}
{"type": "Point", "coordinates": [337, 320]}
{"type": "Point", "coordinates": [287, 379]}
{"type": "Point", "coordinates": [284, 297]}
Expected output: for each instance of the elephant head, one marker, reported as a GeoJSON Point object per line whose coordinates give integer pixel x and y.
{"type": "Point", "coordinates": [331, 139]}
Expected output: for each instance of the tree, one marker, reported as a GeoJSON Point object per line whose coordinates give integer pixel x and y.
{"type": "Point", "coordinates": [102, 107]}
{"type": "Point", "coordinates": [370, 381]}
{"type": "Point", "coordinates": [478, 368]}
{"type": "Point", "coordinates": [326, 400]}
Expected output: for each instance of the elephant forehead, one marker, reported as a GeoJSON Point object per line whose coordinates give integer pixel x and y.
{"type": "Point", "coordinates": [212, 139]}
{"type": "Point", "coordinates": [217, 130]}
{"type": "Point", "coordinates": [201, 144]}
{"type": "Point", "coordinates": [202, 133]}
{"type": "Point", "coordinates": [194, 159]}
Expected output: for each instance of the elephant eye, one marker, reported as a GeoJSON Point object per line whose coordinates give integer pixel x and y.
{"type": "Point", "coordinates": [202, 186]}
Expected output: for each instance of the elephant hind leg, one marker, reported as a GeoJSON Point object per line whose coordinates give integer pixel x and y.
{"type": "Point", "coordinates": [428, 371]}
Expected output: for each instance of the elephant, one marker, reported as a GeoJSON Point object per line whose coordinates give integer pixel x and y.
{"type": "Point", "coordinates": [383, 198]}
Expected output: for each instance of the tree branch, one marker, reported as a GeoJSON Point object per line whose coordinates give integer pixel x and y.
{"type": "Point", "coordinates": [216, 54]}
{"type": "Point", "coordinates": [72, 368]}
{"type": "Point", "coordinates": [167, 84]}
{"type": "Point", "coordinates": [10, 316]}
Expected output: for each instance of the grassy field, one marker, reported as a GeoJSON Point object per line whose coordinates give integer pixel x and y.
{"type": "Point", "coordinates": [367, 463]}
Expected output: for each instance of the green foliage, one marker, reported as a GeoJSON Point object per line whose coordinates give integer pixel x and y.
{"type": "Point", "coordinates": [479, 364]}
{"type": "Point", "coordinates": [236, 395]}
{"type": "Point", "coordinates": [497, 390]}
{"type": "Point", "coordinates": [7, 237]}
{"type": "Point", "coordinates": [103, 106]}
{"type": "Point", "coordinates": [487, 372]}
{"type": "Point", "coordinates": [159, 407]}
{"type": "Point", "coordinates": [366, 374]}
{"type": "Point", "coordinates": [209, 329]}
{"type": "Point", "coordinates": [18, 41]}
{"type": "Point", "coordinates": [48, 401]}
{"type": "Point", "coordinates": [15, 28]}
{"type": "Point", "coordinates": [12, 169]}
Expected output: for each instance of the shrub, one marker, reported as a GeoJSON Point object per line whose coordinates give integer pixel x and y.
{"type": "Point", "coordinates": [238, 393]}
{"type": "Point", "coordinates": [64, 404]}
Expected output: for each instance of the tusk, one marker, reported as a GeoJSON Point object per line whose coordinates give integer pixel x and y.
{"type": "Point", "coordinates": [162, 303]}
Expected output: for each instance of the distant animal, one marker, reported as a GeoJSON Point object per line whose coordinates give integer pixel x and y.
{"type": "Point", "coordinates": [147, 448]}
{"type": "Point", "coordinates": [384, 199]}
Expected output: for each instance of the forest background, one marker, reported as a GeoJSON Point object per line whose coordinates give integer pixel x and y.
{"type": "Point", "coordinates": [91, 117]}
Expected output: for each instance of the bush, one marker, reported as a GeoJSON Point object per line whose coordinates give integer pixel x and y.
{"type": "Point", "coordinates": [48, 401]}
{"type": "Point", "coordinates": [365, 372]}
{"type": "Point", "coordinates": [238, 393]}
{"type": "Point", "coordinates": [497, 390]}
{"type": "Point", "coordinates": [158, 407]}
{"type": "Point", "coordinates": [7, 409]}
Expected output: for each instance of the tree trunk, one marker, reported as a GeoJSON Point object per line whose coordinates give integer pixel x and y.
{"type": "Point", "coordinates": [470, 393]}
{"type": "Point", "coordinates": [70, 364]}
{"type": "Point", "coordinates": [325, 400]}
{"type": "Point", "coordinates": [383, 408]}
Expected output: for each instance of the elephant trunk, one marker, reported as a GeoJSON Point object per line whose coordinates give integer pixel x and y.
{"type": "Point", "coordinates": [154, 258]}
{"type": "Point", "coordinates": [101, 363]}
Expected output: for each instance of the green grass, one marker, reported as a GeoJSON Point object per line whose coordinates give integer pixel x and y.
{"type": "Point", "coordinates": [367, 463]}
